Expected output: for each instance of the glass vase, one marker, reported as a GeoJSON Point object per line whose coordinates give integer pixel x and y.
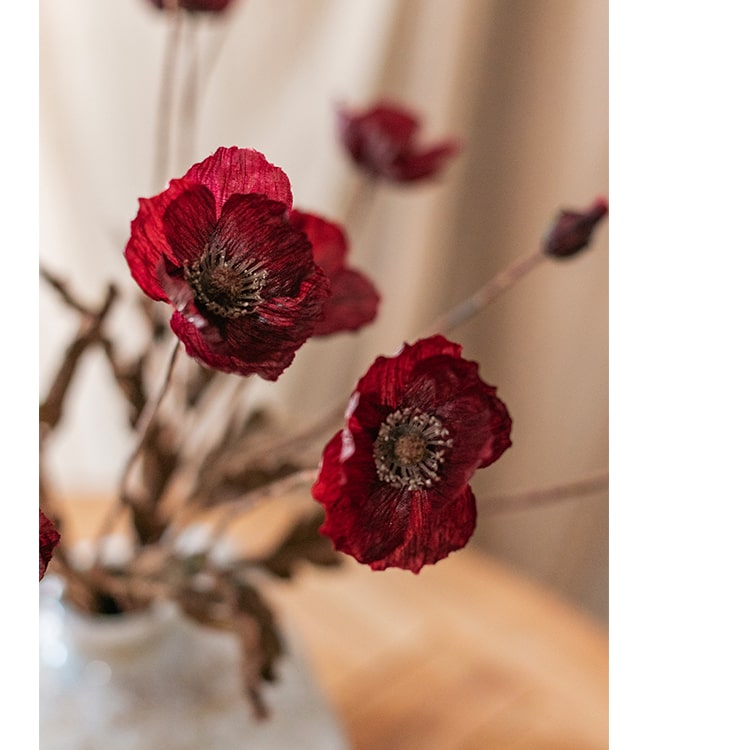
{"type": "Point", "coordinates": [154, 680]}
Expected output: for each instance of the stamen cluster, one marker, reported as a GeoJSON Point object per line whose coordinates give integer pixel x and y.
{"type": "Point", "coordinates": [410, 449]}
{"type": "Point", "coordinates": [228, 287]}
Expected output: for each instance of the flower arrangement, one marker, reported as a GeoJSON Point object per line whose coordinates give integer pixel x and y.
{"type": "Point", "coordinates": [236, 278]}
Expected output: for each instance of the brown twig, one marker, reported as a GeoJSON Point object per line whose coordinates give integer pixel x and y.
{"type": "Point", "coordinates": [51, 410]}
{"type": "Point", "coordinates": [145, 424]}
{"type": "Point", "coordinates": [233, 509]}
{"type": "Point", "coordinates": [499, 283]}
{"type": "Point", "coordinates": [526, 499]}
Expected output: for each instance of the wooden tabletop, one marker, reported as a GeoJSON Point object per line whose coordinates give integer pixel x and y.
{"type": "Point", "coordinates": [463, 656]}
{"type": "Point", "coordinates": [466, 655]}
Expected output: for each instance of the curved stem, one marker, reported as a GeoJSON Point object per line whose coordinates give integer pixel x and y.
{"type": "Point", "coordinates": [593, 484]}
{"type": "Point", "coordinates": [499, 283]}
{"type": "Point", "coordinates": [359, 201]}
{"type": "Point", "coordinates": [145, 422]}
{"type": "Point", "coordinates": [166, 95]}
{"type": "Point", "coordinates": [232, 510]}
{"type": "Point", "coordinates": [189, 102]}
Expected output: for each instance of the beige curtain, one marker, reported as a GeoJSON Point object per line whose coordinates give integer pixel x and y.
{"type": "Point", "coordinates": [522, 83]}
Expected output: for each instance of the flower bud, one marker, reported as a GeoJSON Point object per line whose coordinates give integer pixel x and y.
{"type": "Point", "coordinates": [572, 230]}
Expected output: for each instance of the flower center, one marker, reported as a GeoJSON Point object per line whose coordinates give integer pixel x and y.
{"type": "Point", "coordinates": [410, 449]}
{"type": "Point", "coordinates": [229, 287]}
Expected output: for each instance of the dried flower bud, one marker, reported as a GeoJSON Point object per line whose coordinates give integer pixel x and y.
{"type": "Point", "coordinates": [572, 230]}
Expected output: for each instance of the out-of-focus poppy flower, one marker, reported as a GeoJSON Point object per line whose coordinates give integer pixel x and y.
{"type": "Point", "coordinates": [218, 245]}
{"type": "Point", "coordinates": [571, 231]}
{"type": "Point", "coordinates": [48, 540]}
{"type": "Point", "coordinates": [196, 6]}
{"type": "Point", "coordinates": [381, 141]}
{"type": "Point", "coordinates": [354, 299]}
{"type": "Point", "coordinates": [394, 481]}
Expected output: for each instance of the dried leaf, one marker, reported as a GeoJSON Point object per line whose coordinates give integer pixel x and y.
{"type": "Point", "coordinates": [303, 543]}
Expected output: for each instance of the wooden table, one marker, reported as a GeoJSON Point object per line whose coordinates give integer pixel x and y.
{"type": "Point", "coordinates": [464, 656]}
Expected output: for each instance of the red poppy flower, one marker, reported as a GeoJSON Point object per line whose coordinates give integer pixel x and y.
{"type": "Point", "coordinates": [48, 539]}
{"type": "Point", "coordinates": [572, 230]}
{"type": "Point", "coordinates": [207, 6]}
{"type": "Point", "coordinates": [354, 300]}
{"type": "Point", "coordinates": [218, 245]}
{"type": "Point", "coordinates": [381, 141]}
{"type": "Point", "coordinates": [394, 481]}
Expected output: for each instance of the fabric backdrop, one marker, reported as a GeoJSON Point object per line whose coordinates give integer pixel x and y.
{"type": "Point", "coordinates": [522, 83]}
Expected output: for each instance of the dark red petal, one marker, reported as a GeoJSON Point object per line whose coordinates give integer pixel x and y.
{"type": "Point", "coordinates": [352, 304]}
{"type": "Point", "coordinates": [329, 245]}
{"type": "Point", "coordinates": [326, 486]}
{"type": "Point", "coordinates": [390, 122]}
{"type": "Point", "coordinates": [48, 540]}
{"type": "Point", "coordinates": [231, 171]}
{"type": "Point", "coordinates": [255, 227]}
{"type": "Point", "coordinates": [189, 221]}
{"type": "Point", "coordinates": [262, 343]}
{"type": "Point", "coordinates": [208, 347]}
{"type": "Point", "coordinates": [414, 166]}
{"type": "Point", "coordinates": [451, 388]}
{"type": "Point", "coordinates": [282, 322]}
{"type": "Point", "coordinates": [148, 243]}
{"type": "Point", "coordinates": [432, 533]}
{"type": "Point", "coordinates": [381, 141]}
{"type": "Point", "coordinates": [364, 517]}
{"type": "Point", "coordinates": [388, 376]}
{"type": "Point", "coordinates": [383, 526]}
{"type": "Point", "coordinates": [205, 6]}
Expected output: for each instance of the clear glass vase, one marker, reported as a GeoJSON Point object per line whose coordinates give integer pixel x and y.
{"type": "Point", "coordinates": [156, 681]}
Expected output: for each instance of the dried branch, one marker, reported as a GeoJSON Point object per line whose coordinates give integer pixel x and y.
{"type": "Point", "coordinates": [303, 543]}
{"type": "Point", "coordinates": [90, 332]}
{"type": "Point", "coordinates": [130, 379]}
{"type": "Point", "coordinates": [596, 483]}
{"type": "Point", "coordinates": [233, 604]}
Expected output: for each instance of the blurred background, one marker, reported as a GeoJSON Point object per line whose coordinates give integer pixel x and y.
{"type": "Point", "coordinates": [522, 83]}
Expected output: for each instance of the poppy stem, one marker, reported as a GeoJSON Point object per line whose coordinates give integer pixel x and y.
{"type": "Point", "coordinates": [166, 94]}
{"type": "Point", "coordinates": [189, 103]}
{"type": "Point", "coordinates": [499, 283]}
{"type": "Point", "coordinates": [143, 429]}
{"type": "Point", "coordinates": [526, 499]}
{"type": "Point", "coordinates": [359, 201]}
{"type": "Point", "coordinates": [235, 508]}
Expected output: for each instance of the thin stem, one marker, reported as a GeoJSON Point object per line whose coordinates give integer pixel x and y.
{"type": "Point", "coordinates": [232, 510]}
{"type": "Point", "coordinates": [359, 201]}
{"type": "Point", "coordinates": [499, 283]}
{"type": "Point", "coordinates": [189, 103]}
{"type": "Point", "coordinates": [593, 484]}
{"type": "Point", "coordinates": [143, 428]}
{"type": "Point", "coordinates": [146, 420]}
{"type": "Point", "coordinates": [166, 95]}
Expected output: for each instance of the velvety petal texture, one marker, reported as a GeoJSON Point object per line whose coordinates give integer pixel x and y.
{"type": "Point", "coordinates": [394, 481]}
{"type": "Point", "coordinates": [219, 246]}
{"type": "Point", "coordinates": [48, 540]}
{"type": "Point", "coordinates": [381, 141]}
{"type": "Point", "coordinates": [354, 299]}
